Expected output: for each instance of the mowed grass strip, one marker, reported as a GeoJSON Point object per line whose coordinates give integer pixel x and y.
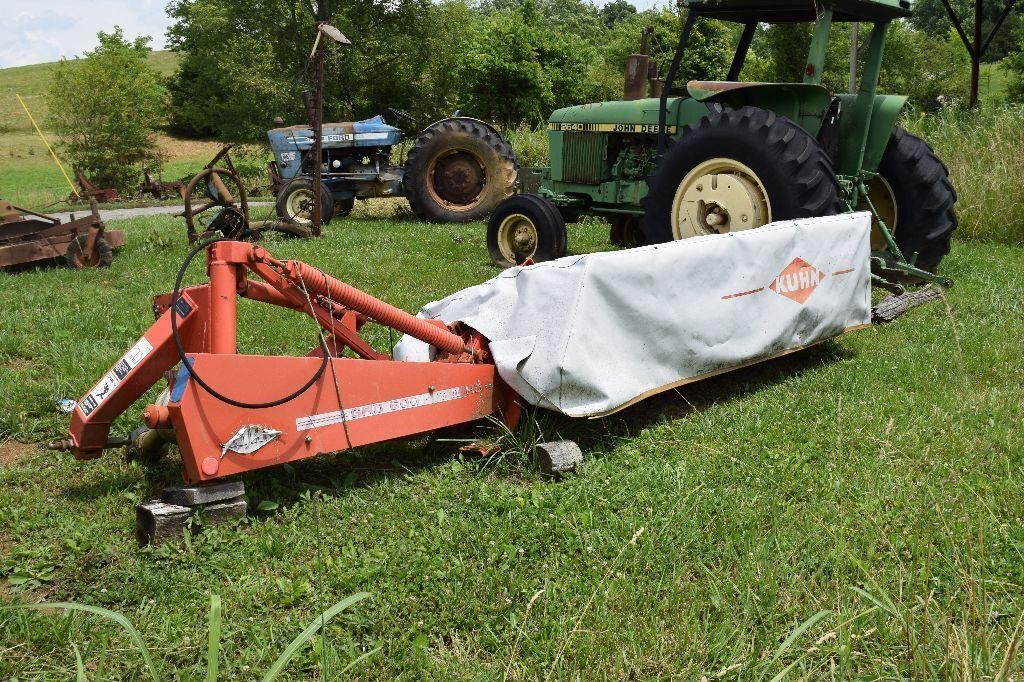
{"type": "Point", "coordinates": [853, 510]}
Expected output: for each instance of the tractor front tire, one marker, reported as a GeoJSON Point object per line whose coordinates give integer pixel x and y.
{"type": "Point", "coordinates": [458, 170]}
{"type": "Point", "coordinates": [525, 226]}
{"type": "Point", "coordinates": [915, 198]}
{"type": "Point", "coordinates": [737, 169]}
{"type": "Point", "coordinates": [102, 254]}
{"type": "Point", "coordinates": [295, 203]}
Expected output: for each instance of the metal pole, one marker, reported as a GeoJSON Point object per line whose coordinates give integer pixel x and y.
{"type": "Point", "coordinates": [48, 148]}
{"type": "Point", "coordinates": [318, 133]}
{"type": "Point", "coordinates": [323, 12]}
{"type": "Point", "coordinates": [976, 57]}
{"type": "Point", "coordinates": [670, 79]}
{"type": "Point", "coordinates": [854, 43]}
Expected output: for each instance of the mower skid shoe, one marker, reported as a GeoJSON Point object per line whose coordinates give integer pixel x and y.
{"type": "Point", "coordinates": [891, 307]}
{"type": "Point", "coordinates": [166, 518]}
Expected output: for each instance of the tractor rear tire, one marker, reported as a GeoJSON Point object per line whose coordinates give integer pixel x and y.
{"type": "Point", "coordinates": [458, 170]}
{"type": "Point", "coordinates": [295, 203]}
{"type": "Point", "coordinates": [737, 169]}
{"type": "Point", "coordinates": [918, 184]}
{"type": "Point", "coordinates": [102, 257]}
{"type": "Point", "coordinates": [525, 226]}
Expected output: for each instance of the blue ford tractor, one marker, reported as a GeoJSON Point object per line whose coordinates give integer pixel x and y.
{"type": "Point", "coordinates": [457, 170]}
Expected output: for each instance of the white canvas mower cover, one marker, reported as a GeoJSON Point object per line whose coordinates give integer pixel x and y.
{"type": "Point", "coordinates": [588, 335]}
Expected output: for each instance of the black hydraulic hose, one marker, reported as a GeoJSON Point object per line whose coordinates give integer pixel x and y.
{"type": "Point", "coordinates": [176, 296]}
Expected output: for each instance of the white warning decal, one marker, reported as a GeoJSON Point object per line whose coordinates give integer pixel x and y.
{"type": "Point", "coordinates": [115, 376]}
{"type": "Point", "coordinates": [386, 407]}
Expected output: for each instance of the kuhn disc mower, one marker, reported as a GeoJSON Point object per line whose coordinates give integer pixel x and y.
{"type": "Point", "coordinates": [584, 335]}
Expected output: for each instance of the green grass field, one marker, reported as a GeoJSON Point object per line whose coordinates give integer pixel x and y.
{"type": "Point", "coordinates": [849, 512]}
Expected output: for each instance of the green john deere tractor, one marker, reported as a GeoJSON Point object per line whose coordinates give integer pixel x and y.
{"type": "Point", "coordinates": [713, 157]}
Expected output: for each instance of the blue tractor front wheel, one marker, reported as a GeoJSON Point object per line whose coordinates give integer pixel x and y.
{"type": "Point", "coordinates": [295, 203]}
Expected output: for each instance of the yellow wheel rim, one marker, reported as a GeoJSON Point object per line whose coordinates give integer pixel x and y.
{"type": "Point", "coordinates": [719, 195]}
{"type": "Point", "coordinates": [300, 206]}
{"type": "Point", "coordinates": [517, 238]}
{"type": "Point", "coordinates": [882, 198]}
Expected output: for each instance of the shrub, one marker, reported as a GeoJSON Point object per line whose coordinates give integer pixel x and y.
{"type": "Point", "coordinates": [106, 108]}
{"type": "Point", "coordinates": [1014, 65]}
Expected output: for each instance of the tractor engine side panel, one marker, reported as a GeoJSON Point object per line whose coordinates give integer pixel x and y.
{"type": "Point", "coordinates": [340, 140]}
{"type": "Point", "coordinates": [601, 153]}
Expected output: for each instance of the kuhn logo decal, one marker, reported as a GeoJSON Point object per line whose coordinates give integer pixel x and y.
{"type": "Point", "coordinates": [797, 281]}
{"type": "Point", "coordinates": [249, 439]}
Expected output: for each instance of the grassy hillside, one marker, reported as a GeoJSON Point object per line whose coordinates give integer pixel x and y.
{"type": "Point", "coordinates": [32, 81]}
{"type": "Point", "coordinates": [28, 176]}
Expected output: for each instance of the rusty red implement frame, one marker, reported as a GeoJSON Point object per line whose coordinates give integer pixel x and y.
{"type": "Point", "coordinates": [349, 401]}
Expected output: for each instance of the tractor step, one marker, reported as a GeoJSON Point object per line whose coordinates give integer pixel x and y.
{"type": "Point", "coordinates": [166, 518]}
{"type": "Point", "coordinates": [891, 307]}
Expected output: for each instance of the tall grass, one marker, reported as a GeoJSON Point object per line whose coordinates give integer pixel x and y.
{"type": "Point", "coordinates": [150, 669]}
{"type": "Point", "coordinates": [983, 149]}
{"type": "Point", "coordinates": [531, 144]}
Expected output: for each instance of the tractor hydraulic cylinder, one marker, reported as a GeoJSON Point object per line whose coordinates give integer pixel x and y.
{"type": "Point", "coordinates": [223, 287]}
{"type": "Point", "coordinates": [318, 283]}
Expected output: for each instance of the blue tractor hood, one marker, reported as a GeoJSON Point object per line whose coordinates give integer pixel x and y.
{"type": "Point", "coordinates": [290, 143]}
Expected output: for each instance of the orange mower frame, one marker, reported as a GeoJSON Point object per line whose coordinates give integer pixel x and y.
{"type": "Point", "coordinates": [294, 407]}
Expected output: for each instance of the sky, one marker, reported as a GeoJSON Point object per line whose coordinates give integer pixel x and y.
{"type": "Point", "coordinates": [45, 30]}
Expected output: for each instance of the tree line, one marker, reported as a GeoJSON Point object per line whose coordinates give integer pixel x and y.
{"type": "Point", "coordinates": [512, 61]}
{"type": "Point", "coordinates": [244, 62]}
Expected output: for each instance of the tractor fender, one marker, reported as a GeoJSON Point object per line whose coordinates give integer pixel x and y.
{"type": "Point", "coordinates": [884, 113]}
{"type": "Point", "coordinates": [802, 103]}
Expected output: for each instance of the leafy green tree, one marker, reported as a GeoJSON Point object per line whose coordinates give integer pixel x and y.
{"type": "Point", "coordinates": [931, 17]}
{"type": "Point", "coordinates": [779, 55]}
{"type": "Point", "coordinates": [615, 11]}
{"type": "Point", "coordinates": [932, 71]}
{"type": "Point", "coordinates": [1014, 65]}
{"type": "Point", "coordinates": [242, 62]}
{"type": "Point", "coordinates": [106, 108]}
{"type": "Point", "coordinates": [235, 73]}
{"type": "Point", "coordinates": [929, 70]}
{"type": "Point", "coordinates": [504, 79]}
{"type": "Point", "coordinates": [707, 56]}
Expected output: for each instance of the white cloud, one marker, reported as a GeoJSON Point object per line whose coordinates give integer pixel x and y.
{"type": "Point", "coordinates": [38, 31]}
